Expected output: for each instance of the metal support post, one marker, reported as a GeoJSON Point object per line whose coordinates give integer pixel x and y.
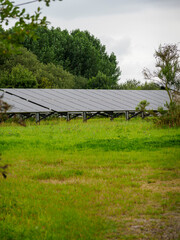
{"type": "Point", "coordinates": [127, 115]}
{"type": "Point", "coordinates": [68, 117]}
{"type": "Point", "coordinates": [84, 117]}
{"type": "Point", "coordinates": [37, 117]}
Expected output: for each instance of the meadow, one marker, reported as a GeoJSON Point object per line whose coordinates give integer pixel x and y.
{"type": "Point", "coordinates": [100, 180]}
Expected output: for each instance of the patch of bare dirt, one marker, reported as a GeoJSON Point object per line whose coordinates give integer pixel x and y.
{"type": "Point", "coordinates": [157, 229]}
{"type": "Point", "coordinates": [165, 228]}
{"type": "Point", "coordinates": [73, 181]}
{"type": "Point", "coordinates": [163, 186]}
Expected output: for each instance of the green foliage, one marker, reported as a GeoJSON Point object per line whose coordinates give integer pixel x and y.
{"type": "Point", "coordinates": [141, 107]}
{"type": "Point", "coordinates": [58, 77]}
{"type": "Point", "coordinates": [169, 117]}
{"type": "Point", "coordinates": [137, 85]}
{"type": "Point", "coordinates": [80, 82]}
{"type": "Point", "coordinates": [150, 86]}
{"type": "Point", "coordinates": [167, 74]}
{"type": "Point", "coordinates": [20, 77]}
{"type": "Point", "coordinates": [162, 117]}
{"type": "Point", "coordinates": [130, 85]}
{"type": "Point", "coordinates": [78, 52]}
{"type": "Point", "coordinates": [124, 144]}
{"type": "Point", "coordinates": [58, 175]}
{"type": "Point", "coordinates": [47, 76]}
{"type": "Point", "coordinates": [101, 81]}
{"type": "Point", "coordinates": [25, 25]}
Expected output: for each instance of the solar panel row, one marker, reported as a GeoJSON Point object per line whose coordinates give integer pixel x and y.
{"type": "Point", "coordinates": [80, 100]}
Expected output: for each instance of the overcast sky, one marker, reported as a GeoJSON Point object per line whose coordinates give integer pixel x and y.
{"type": "Point", "coordinates": [132, 29]}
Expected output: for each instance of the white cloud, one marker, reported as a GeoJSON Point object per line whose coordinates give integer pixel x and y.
{"type": "Point", "coordinates": [120, 46]}
{"type": "Point", "coordinates": [72, 9]}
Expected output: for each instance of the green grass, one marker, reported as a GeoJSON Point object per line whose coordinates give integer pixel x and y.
{"type": "Point", "coordinates": [91, 181]}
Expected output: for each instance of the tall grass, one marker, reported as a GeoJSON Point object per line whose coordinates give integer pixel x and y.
{"type": "Point", "coordinates": [94, 180]}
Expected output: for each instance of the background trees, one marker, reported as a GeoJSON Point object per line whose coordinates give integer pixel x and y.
{"type": "Point", "coordinates": [100, 81]}
{"type": "Point", "coordinates": [137, 85]}
{"type": "Point", "coordinates": [78, 52]}
{"type": "Point", "coordinates": [24, 70]}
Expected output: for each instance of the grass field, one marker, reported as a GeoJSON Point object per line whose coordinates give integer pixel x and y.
{"type": "Point", "coordinates": [98, 180]}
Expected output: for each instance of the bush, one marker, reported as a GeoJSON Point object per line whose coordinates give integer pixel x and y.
{"type": "Point", "coordinates": [169, 117]}
{"type": "Point", "coordinates": [100, 81]}
{"type": "Point", "coordinates": [25, 65]}
{"type": "Point", "coordinates": [20, 77]}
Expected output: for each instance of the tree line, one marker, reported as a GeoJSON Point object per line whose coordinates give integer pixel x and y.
{"type": "Point", "coordinates": [59, 59]}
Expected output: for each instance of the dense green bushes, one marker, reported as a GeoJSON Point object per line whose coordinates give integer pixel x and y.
{"type": "Point", "coordinates": [19, 77]}
{"type": "Point", "coordinates": [24, 70]}
{"type": "Point", "coordinates": [171, 117]}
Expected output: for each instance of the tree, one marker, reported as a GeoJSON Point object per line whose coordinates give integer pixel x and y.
{"type": "Point", "coordinates": [137, 85]}
{"type": "Point", "coordinates": [130, 85]}
{"type": "Point", "coordinates": [20, 77]}
{"type": "Point", "coordinates": [150, 86]}
{"type": "Point", "coordinates": [101, 81]}
{"type": "Point", "coordinates": [80, 82]}
{"type": "Point", "coordinates": [79, 52]}
{"type": "Point", "coordinates": [168, 69]}
{"type": "Point", "coordinates": [46, 75]}
{"type": "Point", "coordinates": [25, 25]}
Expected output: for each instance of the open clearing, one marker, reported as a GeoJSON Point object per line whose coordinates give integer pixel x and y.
{"type": "Point", "coordinates": [97, 180]}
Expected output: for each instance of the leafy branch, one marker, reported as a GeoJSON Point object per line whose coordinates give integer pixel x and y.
{"type": "Point", "coordinates": [25, 24]}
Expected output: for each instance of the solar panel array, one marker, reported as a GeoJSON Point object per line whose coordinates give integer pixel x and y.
{"type": "Point", "coordinates": [79, 100]}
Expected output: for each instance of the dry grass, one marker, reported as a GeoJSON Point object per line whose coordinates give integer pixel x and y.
{"type": "Point", "coordinates": [163, 186]}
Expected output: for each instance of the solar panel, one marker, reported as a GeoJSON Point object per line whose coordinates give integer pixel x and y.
{"type": "Point", "coordinates": [18, 105]}
{"type": "Point", "coordinates": [81, 100]}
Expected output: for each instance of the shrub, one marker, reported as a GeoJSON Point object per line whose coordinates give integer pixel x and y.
{"type": "Point", "coordinates": [163, 117]}
{"type": "Point", "coordinates": [20, 77]}
{"type": "Point", "coordinates": [169, 117]}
